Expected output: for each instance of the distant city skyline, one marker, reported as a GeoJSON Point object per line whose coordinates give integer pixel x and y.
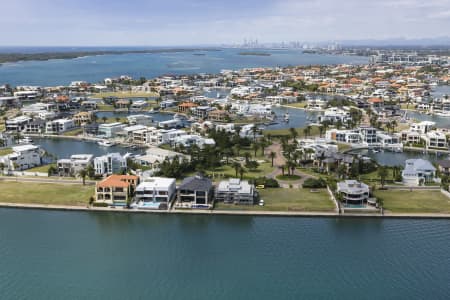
{"type": "Point", "coordinates": [203, 22]}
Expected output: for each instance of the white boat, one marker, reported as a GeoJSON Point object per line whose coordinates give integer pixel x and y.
{"type": "Point", "coordinates": [26, 140]}
{"type": "Point", "coordinates": [105, 143]}
{"type": "Point", "coordinates": [152, 111]}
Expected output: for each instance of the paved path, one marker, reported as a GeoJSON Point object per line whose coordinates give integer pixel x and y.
{"type": "Point", "coordinates": [280, 160]}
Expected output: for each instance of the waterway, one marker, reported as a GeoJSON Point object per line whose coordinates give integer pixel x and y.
{"type": "Point", "coordinates": [78, 255]}
{"type": "Point", "coordinates": [64, 148]}
{"type": "Point", "coordinates": [97, 68]}
{"type": "Point", "coordinates": [388, 158]}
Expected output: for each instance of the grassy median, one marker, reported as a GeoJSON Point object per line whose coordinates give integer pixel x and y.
{"type": "Point", "coordinates": [405, 201]}
{"type": "Point", "coordinates": [45, 193]}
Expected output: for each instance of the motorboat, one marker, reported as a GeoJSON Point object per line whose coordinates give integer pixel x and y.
{"type": "Point", "coordinates": [105, 143]}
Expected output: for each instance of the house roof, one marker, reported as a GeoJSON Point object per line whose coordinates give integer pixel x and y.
{"type": "Point", "coordinates": [117, 181]}
{"type": "Point", "coordinates": [196, 183]}
{"type": "Point", "coordinates": [445, 163]}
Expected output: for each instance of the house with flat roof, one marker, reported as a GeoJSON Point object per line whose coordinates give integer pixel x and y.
{"type": "Point", "coordinates": [59, 126]}
{"type": "Point", "coordinates": [69, 167]}
{"type": "Point", "coordinates": [195, 192]}
{"type": "Point", "coordinates": [353, 191]}
{"type": "Point", "coordinates": [17, 124]}
{"type": "Point", "coordinates": [111, 163]}
{"type": "Point", "coordinates": [155, 193]}
{"type": "Point", "coordinates": [22, 157]}
{"type": "Point", "coordinates": [116, 190]}
{"type": "Point", "coordinates": [236, 191]}
{"type": "Point", "coordinates": [417, 172]}
{"type": "Point", "coordinates": [110, 129]}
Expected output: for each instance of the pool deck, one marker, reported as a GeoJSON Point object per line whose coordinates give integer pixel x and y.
{"type": "Point", "coordinates": [229, 212]}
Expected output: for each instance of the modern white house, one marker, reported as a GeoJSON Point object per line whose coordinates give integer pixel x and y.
{"type": "Point", "coordinates": [189, 140]}
{"type": "Point", "coordinates": [155, 193]}
{"type": "Point", "coordinates": [111, 129]}
{"type": "Point", "coordinates": [23, 157]}
{"type": "Point", "coordinates": [435, 139]}
{"type": "Point", "coordinates": [73, 165]}
{"type": "Point", "coordinates": [236, 191]}
{"type": "Point", "coordinates": [17, 124]}
{"type": "Point", "coordinates": [418, 172]}
{"type": "Point", "coordinates": [353, 192]}
{"type": "Point", "coordinates": [59, 126]}
{"type": "Point", "coordinates": [111, 163]}
{"type": "Point", "coordinates": [145, 120]}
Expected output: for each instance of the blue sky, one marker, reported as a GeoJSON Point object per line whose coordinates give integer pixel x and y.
{"type": "Point", "coordinates": [192, 22]}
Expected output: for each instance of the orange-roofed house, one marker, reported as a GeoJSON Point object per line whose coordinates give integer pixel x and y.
{"type": "Point", "coordinates": [116, 190]}
{"type": "Point", "coordinates": [186, 107]}
{"type": "Point", "coordinates": [376, 102]}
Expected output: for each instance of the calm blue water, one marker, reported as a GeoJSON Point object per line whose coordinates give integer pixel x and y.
{"type": "Point", "coordinates": [387, 158]}
{"type": "Point", "coordinates": [71, 255]}
{"type": "Point", "coordinates": [97, 68]}
{"type": "Point", "coordinates": [64, 148]}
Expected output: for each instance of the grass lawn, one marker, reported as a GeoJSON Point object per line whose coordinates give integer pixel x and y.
{"type": "Point", "coordinates": [5, 151]}
{"type": "Point", "coordinates": [280, 199]}
{"type": "Point", "coordinates": [373, 176]}
{"type": "Point", "coordinates": [74, 132]}
{"type": "Point", "coordinates": [2, 126]}
{"type": "Point", "coordinates": [106, 107]}
{"type": "Point", "coordinates": [279, 132]}
{"type": "Point", "coordinates": [228, 171]}
{"type": "Point", "coordinates": [414, 202]}
{"type": "Point", "coordinates": [43, 169]}
{"type": "Point", "coordinates": [298, 104]}
{"type": "Point", "coordinates": [288, 177]}
{"type": "Point", "coordinates": [46, 193]}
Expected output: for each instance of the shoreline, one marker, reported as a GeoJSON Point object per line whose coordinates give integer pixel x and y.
{"type": "Point", "coordinates": [298, 214]}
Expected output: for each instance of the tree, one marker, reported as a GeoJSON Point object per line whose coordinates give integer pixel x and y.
{"type": "Point", "coordinates": [104, 118]}
{"type": "Point", "coordinates": [341, 171]}
{"type": "Point", "coordinates": [117, 119]}
{"type": "Point", "coordinates": [272, 156]}
{"type": "Point", "coordinates": [382, 173]}
{"type": "Point", "coordinates": [241, 172]}
{"type": "Point", "coordinates": [90, 171]}
{"type": "Point", "coordinates": [83, 173]}
{"type": "Point", "coordinates": [51, 170]}
{"type": "Point", "coordinates": [236, 167]}
{"type": "Point", "coordinates": [255, 147]}
{"type": "Point", "coordinates": [294, 133]}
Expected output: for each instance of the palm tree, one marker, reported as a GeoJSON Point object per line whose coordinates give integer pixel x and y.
{"type": "Point", "coordinates": [382, 173]}
{"type": "Point", "coordinates": [82, 173]}
{"type": "Point", "coordinates": [255, 147]}
{"type": "Point", "coordinates": [236, 167]}
{"type": "Point", "coordinates": [241, 172]}
{"type": "Point", "coordinates": [272, 156]}
{"type": "Point", "coordinates": [294, 133]}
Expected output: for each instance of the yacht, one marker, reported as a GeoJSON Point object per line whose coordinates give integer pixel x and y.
{"type": "Point", "coordinates": [105, 143]}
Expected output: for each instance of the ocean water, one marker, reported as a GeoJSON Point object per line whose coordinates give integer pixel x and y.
{"type": "Point", "coordinates": [76, 255]}
{"type": "Point", "coordinates": [97, 68]}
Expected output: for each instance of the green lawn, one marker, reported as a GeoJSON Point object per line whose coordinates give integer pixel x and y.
{"type": "Point", "coordinates": [228, 171]}
{"type": "Point", "coordinates": [279, 132]}
{"type": "Point", "coordinates": [74, 132]}
{"type": "Point", "coordinates": [106, 107]}
{"type": "Point", "coordinates": [279, 199]}
{"type": "Point", "coordinates": [298, 104]}
{"type": "Point", "coordinates": [415, 201]}
{"type": "Point", "coordinates": [5, 151]}
{"type": "Point", "coordinates": [45, 193]}
{"type": "Point", "coordinates": [43, 169]}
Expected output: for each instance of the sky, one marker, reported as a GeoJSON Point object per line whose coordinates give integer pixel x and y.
{"type": "Point", "coordinates": [203, 22]}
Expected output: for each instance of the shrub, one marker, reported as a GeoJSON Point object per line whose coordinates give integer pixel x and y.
{"type": "Point", "coordinates": [267, 182]}
{"type": "Point", "coordinates": [100, 204]}
{"type": "Point", "coordinates": [312, 183]}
